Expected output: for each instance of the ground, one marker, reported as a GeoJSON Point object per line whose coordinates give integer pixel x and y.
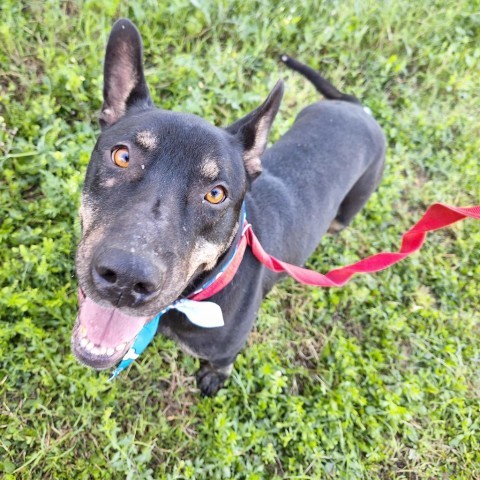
{"type": "Point", "coordinates": [377, 380]}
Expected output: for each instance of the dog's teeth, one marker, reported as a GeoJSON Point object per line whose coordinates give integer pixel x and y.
{"type": "Point", "coordinates": [103, 350]}
{"type": "Point", "coordinates": [82, 331]}
{"type": "Point", "coordinates": [96, 350]}
{"type": "Point", "coordinates": [83, 342]}
{"type": "Point", "coordinates": [110, 352]}
{"type": "Point", "coordinates": [120, 347]}
{"type": "Point", "coordinates": [89, 346]}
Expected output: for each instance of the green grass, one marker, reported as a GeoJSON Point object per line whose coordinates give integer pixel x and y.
{"type": "Point", "coordinates": [377, 380]}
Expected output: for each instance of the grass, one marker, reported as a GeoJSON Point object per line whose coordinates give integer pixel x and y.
{"type": "Point", "coordinates": [378, 380]}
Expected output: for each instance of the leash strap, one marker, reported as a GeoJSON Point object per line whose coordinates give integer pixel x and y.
{"type": "Point", "coordinates": [436, 217]}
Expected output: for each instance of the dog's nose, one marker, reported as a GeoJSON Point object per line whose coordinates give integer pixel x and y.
{"type": "Point", "coordinates": [124, 278]}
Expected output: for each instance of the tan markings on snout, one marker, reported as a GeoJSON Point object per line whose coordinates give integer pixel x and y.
{"type": "Point", "coordinates": [204, 253]}
{"type": "Point", "coordinates": [147, 139]}
{"type": "Point", "coordinates": [207, 253]}
{"type": "Point", "coordinates": [210, 169]}
{"type": "Point", "coordinates": [86, 249]}
{"type": "Point", "coordinates": [86, 213]}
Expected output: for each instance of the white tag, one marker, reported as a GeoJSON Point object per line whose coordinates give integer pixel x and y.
{"type": "Point", "coordinates": [130, 355]}
{"type": "Point", "coordinates": [202, 314]}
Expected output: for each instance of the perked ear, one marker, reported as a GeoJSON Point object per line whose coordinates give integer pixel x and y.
{"type": "Point", "coordinates": [123, 79]}
{"type": "Point", "coordinates": [253, 129]}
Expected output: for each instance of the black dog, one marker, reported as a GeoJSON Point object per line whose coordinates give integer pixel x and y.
{"type": "Point", "coordinates": [162, 206]}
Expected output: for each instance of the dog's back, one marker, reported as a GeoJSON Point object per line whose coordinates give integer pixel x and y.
{"type": "Point", "coordinates": [321, 172]}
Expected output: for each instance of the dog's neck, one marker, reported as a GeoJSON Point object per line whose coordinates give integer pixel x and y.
{"type": "Point", "coordinates": [207, 277]}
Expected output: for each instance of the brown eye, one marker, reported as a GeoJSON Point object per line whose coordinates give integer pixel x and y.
{"type": "Point", "coordinates": [216, 195]}
{"type": "Point", "coordinates": [120, 156]}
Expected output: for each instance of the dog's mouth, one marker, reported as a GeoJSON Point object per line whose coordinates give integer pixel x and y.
{"type": "Point", "coordinates": [102, 335]}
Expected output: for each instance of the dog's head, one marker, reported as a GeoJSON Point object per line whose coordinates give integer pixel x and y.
{"type": "Point", "coordinates": [161, 202]}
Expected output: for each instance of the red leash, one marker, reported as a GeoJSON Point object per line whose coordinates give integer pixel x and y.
{"type": "Point", "coordinates": [436, 217]}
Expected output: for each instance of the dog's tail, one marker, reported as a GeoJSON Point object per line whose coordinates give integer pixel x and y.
{"type": "Point", "coordinates": [322, 85]}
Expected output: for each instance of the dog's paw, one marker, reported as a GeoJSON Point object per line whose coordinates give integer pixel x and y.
{"type": "Point", "coordinates": [210, 379]}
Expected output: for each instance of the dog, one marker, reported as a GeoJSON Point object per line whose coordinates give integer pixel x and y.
{"type": "Point", "coordinates": [164, 196]}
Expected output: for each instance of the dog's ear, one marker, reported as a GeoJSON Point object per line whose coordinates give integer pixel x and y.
{"type": "Point", "coordinates": [253, 129]}
{"type": "Point", "coordinates": [123, 82]}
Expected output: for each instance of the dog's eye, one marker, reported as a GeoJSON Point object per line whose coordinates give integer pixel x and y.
{"type": "Point", "coordinates": [216, 195]}
{"type": "Point", "coordinates": [120, 156]}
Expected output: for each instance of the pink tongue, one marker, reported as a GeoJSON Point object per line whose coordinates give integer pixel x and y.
{"type": "Point", "coordinates": [108, 327]}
